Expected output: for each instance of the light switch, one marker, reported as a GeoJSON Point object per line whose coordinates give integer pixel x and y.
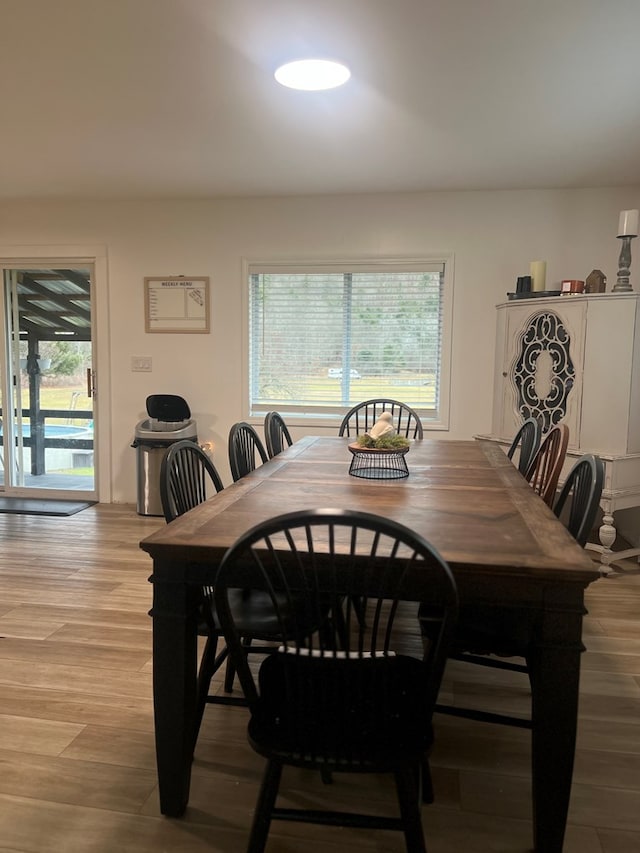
{"type": "Point", "coordinates": [141, 363]}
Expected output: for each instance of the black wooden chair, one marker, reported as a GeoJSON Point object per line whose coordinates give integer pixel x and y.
{"type": "Point", "coordinates": [345, 698]}
{"type": "Point", "coordinates": [244, 447]}
{"type": "Point", "coordinates": [583, 489]}
{"type": "Point", "coordinates": [527, 440]}
{"type": "Point", "coordinates": [187, 478]}
{"type": "Point", "coordinates": [480, 631]}
{"type": "Point", "coordinates": [276, 434]}
{"type": "Point", "coordinates": [362, 417]}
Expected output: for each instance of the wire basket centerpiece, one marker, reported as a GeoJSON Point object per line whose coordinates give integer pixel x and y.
{"type": "Point", "coordinates": [380, 454]}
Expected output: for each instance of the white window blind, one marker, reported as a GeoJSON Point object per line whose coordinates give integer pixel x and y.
{"type": "Point", "coordinates": [322, 338]}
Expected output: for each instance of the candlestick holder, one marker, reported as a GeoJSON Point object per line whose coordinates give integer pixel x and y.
{"type": "Point", "coordinates": [624, 265]}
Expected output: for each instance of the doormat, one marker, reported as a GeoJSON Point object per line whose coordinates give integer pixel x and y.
{"type": "Point", "coordinates": [35, 506]}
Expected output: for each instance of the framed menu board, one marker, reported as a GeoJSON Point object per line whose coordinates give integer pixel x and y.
{"type": "Point", "coordinates": [177, 304]}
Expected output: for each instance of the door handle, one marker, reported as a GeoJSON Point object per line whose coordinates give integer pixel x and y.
{"type": "Point", "coordinates": [91, 388]}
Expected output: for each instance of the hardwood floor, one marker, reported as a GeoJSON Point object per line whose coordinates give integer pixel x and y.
{"type": "Point", "coordinates": [76, 722]}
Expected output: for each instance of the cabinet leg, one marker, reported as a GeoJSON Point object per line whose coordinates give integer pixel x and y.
{"type": "Point", "coordinates": [607, 535]}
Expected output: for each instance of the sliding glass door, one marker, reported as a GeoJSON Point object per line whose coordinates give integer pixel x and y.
{"type": "Point", "coordinates": [47, 393]}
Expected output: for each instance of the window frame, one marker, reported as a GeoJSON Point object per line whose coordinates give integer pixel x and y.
{"type": "Point", "coordinates": [331, 421]}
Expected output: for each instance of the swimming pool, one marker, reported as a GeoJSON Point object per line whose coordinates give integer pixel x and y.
{"type": "Point", "coordinates": [58, 431]}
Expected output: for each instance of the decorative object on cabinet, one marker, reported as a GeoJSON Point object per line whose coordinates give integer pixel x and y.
{"type": "Point", "coordinates": [628, 223]}
{"type": "Point", "coordinates": [533, 294]}
{"type": "Point", "coordinates": [627, 230]}
{"type": "Point", "coordinates": [538, 275]}
{"type": "Point", "coordinates": [571, 286]}
{"type": "Point", "coordinates": [596, 282]}
{"type": "Point", "coordinates": [577, 361]}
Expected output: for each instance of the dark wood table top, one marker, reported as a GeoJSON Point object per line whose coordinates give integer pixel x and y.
{"type": "Point", "coordinates": [509, 553]}
{"type": "Point", "coordinates": [465, 497]}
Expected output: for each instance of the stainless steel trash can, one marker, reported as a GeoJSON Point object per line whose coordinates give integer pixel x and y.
{"type": "Point", "coordinates": [169, 421]}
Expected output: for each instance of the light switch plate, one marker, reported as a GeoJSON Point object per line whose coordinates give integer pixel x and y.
{"type": "Point", "coordinates": [141, 363]}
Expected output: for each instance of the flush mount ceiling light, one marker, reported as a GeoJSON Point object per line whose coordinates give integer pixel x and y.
{"type": "Point", "coordinates": [312, 75]}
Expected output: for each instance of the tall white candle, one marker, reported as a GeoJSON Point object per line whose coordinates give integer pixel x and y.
{"type": "Point", "coordinates": [538, 271]}
{"type": "Point", "coordinates": [628, 223]}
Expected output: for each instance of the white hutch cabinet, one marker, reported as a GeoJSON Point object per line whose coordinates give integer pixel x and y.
{"type": "Point", "coordinates": [576, 359]}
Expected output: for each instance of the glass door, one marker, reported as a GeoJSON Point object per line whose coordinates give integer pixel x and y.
{"type": "Point", "coordinates": [47, 394]}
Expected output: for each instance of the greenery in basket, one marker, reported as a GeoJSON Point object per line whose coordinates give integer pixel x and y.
{"type": "Point", "coordinates": [385, 442]}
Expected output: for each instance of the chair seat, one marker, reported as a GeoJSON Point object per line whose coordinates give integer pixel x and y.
{"type": "Point", "coordinates": [254, 614]}
{"type": "Point", "coordinates": [382, 728]}
{"type": "Point", "coordinates": [501, 631]}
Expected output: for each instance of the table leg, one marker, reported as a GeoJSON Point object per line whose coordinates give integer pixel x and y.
{"type": "Point", "coordinates": [174, 685]}
{"type": "Point", "coordinates": [555, 673]}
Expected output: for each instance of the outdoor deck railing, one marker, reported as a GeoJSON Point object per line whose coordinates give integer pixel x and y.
{"type": "Point", "coordinates": [38, 441]}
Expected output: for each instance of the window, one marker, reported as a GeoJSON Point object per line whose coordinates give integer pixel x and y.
{"type": "Point", "coordinates": [324, 337]}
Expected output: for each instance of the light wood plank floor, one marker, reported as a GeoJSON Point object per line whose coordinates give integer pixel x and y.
{"type": "Point", "coordinates": [76, 722]}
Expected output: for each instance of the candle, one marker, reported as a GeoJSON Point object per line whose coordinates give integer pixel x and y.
{"type": "Point", "coordinates": [538, 271]}
{"type": "Point", "coordinates": [628, 224]}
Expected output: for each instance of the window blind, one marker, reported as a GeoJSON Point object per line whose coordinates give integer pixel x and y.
{"type": "Point", "coordinates": [325, 337]}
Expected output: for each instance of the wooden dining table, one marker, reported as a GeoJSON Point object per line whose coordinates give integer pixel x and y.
{"type": "Point", "coordinates": [506, 549]}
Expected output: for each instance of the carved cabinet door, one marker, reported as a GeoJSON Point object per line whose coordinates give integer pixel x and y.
{"type": "Point", "coordinates": [542, 365]}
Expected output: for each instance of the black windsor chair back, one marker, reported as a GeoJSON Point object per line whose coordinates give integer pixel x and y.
{"type": "Point", "coordinates": [343, 698]}
{"type": "Point", "coordinates": [544, 471]}
{"type": "Point", "coordinates": [276, 434]}
{"type": "Point", "coordinates": [245, 448]}
{"type": "Point", "coordinates": [527, 440]}
{"type": "Point", "coordinates": [584, 486]}
{"type": "Point", "coordinates": [187, 478]}
{"type": "Point", "coordinates": [362, 417]}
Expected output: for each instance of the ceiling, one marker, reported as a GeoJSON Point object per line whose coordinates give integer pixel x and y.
{"type": "Point", "coordinates": [54, 304]}
{"type": "Point", "coordinates": [111, 99]}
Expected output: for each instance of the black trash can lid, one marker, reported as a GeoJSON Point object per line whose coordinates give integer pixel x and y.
{"type": "Point", "coordinates": [168, 407]}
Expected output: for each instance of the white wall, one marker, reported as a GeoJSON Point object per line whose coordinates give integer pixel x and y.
{"type": "Point", "coordinates": [494, 236]}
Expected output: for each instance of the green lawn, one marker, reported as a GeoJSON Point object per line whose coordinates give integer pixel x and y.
{"type": "Point", "coordinates": [69, 397]}
{"type": "Point", "coordinates": [415, 390]}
